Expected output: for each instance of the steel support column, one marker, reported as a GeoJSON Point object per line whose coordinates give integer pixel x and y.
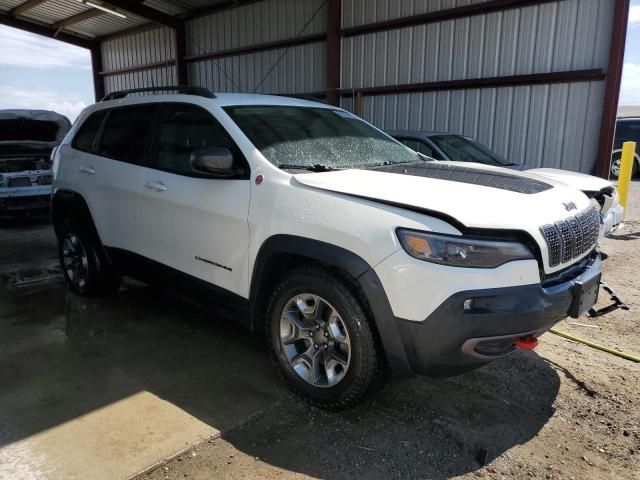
{"type": "Point", "coordinates": [182, 75]}
{"type": "Point", "coordinates": [612, 87]}
{"type": "Point", "coordinates": [334, 24]}
{"type": "Point", "coordinates": [96, 67]}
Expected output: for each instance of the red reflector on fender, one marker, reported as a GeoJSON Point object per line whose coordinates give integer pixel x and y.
{"type": "Point", "coordinates": [527, 343]}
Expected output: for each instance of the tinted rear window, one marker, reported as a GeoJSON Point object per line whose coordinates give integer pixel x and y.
{"type": "Point", "coordinates": [124, 136]}
{"type": "Point", "coordinates": [23, 129]}
{"type": "Point", "coordinates": [83, 140]}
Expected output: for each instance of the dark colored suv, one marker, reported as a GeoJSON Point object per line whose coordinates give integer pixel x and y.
{"type": "Point", "coordinates": [627, 130]}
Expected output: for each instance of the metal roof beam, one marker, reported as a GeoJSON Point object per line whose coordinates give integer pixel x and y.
{"type": "Point", "coordinates": [218, 7]}
{"type": "Point", "coordinates": [80, 17]}
{"type": "Point", "coordinates": [23, 7]}
{"type": "Point", "coordinates": [45, 30]}
{"type": "Point", "coordinates": [141, 10]}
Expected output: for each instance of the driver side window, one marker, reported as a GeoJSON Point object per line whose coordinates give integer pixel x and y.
{"type": "Point", "coordinates": [184, 129]}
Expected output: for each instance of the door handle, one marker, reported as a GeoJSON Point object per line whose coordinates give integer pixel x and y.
{"type": "Point", "coordinates": [157, 186]}
{"type": "Point", "coordinates": [88, 170]}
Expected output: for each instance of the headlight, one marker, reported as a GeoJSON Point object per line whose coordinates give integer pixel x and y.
{"type": "Point", "coordinates": [461, 251]}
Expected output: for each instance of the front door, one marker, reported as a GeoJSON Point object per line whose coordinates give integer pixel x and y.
{"type": "Point", "coordinates": [193, 223]}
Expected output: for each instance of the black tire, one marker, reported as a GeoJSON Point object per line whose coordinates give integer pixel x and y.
{"type": "Point", "coordinates": [99, 277]}
{"type": "Point", "coordinates": [365, 367]}
{"type": "Point", "coordinates": [616, 157]}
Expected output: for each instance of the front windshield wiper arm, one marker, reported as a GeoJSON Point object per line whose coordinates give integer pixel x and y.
{"type": "Point", "coordinates": [318, 167]}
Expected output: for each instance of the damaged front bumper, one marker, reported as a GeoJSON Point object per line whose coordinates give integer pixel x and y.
{"type": "Point", "coordinates": [474, 327]}
{"type": "Point", "coordinates": [612, 219]}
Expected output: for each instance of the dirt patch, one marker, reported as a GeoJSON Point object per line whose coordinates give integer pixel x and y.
{"type": "Point", "coordinates": [566, 411]}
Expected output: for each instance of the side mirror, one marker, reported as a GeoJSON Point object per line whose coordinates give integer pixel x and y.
{"type": "Point", "coordinates": [215, 161]}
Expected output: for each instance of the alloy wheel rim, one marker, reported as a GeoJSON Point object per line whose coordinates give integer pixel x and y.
{"type": "Point", "coordinates": [74, 256]}
{"type": "Point", "coordinates": [615, 167]}
{"type": "Point", "coordinates": [315, 340]}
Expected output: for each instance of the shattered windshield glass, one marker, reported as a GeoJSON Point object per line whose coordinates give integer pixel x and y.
{"type": "Point", "coordinates": [317, 139]}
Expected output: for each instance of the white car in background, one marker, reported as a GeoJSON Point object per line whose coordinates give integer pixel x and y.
{"type": "Point", "coordinates": [460, 148]}
{"type": "Point", "coordinates": [27, 138]}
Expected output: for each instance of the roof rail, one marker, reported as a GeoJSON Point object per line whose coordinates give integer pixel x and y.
{"type": "Point", "coordinates": [199, 91]}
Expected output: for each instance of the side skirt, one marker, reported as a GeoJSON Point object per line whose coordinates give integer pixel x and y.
{"type": "Point", "coordinates": [157, 274]}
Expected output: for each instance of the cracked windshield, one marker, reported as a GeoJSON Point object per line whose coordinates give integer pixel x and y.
{"type": "Point", "coordinates": [317, 139]}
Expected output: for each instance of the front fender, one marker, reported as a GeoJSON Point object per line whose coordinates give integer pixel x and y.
{"type": "Point", "coordinates": [352, 264]}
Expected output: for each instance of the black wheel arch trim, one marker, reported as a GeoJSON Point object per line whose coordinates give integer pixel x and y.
{"type": "Point", "coordinates": [352, 264]}
{"type": "Point", "coordinates": [82, 209]}
{"type": "Point", "coordinates": [70, 196]}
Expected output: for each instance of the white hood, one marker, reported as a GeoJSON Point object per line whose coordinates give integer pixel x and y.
{"type": "Point", "coordinates": [581, 181]}
{"type": "Point", "coordinates": [472, 205]}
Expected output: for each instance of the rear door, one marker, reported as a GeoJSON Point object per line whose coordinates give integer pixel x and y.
{"type": "Point", "coordinates": [190, 222]}
{"type": "Point", "coordinates": [111, 175]}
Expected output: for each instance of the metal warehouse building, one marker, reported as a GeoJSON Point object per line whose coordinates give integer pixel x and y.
{"type": "Point", "coordinates": [536, 80]}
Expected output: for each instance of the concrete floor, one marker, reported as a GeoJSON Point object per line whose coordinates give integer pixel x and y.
{"type": "Point", "coordinates": [104, 388]}
{"type": "Point", "coordinates": [115, 387]}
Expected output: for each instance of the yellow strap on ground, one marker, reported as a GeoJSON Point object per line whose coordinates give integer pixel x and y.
{"type": "Point", "coordinates": [596, 346]}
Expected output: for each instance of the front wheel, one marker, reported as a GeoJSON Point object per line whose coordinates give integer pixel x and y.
{"type": "Point", "coordinates": [321, 338]}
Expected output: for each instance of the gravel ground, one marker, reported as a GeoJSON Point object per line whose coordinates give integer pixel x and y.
{"type": "Point", "coordinates": [564, 411]}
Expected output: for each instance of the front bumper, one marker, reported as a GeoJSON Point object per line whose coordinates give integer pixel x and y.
{"type": "Point", "coordinates": [17, 200]}
{"type": "Point", "coordinates": [453, 339]}
{"type": "Point", "coordinates": [612, 219]}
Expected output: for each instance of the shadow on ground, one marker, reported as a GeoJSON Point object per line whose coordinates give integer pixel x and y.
{"type": "Point", "coordinates": [631, 231]}
{"type": "Point", "coordinates": [62, 356]}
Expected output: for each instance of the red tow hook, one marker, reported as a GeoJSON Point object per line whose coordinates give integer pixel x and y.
{"type": "Point", "coordinates": [527, 343]}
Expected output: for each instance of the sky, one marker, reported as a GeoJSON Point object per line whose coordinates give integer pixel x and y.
{"type": "Point", "coordinates": [630, 87]}
{"type": "Point", "coordinates": [41, 73]}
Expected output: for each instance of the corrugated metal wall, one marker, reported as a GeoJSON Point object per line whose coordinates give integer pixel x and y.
{"type": "Point", "coordinates": [144, 48]}
{"type": "Point", "coordinates": [299, 69]}
{"type": "Point", "coordinates": [253, 24]}
{"type": "Point", "coordinates": [551, 125]}
{"type": "Point", "coordinates": [296, 69]}
{"type": "Point", "coordinates": [362, 12]}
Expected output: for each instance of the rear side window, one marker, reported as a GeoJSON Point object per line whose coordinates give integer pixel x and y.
{"type": "Point", "coordinates": [87, 132]}
{"type": "Point", "coordinates": [124, 136]}
{"type": "Point", "coordinates": [184, 129]}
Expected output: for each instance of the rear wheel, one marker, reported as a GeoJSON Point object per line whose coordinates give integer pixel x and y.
{"type": "Point", "coordinates": [84, 267]}
{"type": "Point", "coordinates": [321, 338]}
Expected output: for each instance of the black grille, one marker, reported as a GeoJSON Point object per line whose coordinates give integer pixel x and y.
{"type": "Point", "coordinates": [571, 237]}
{"type": "Point", "coordinates": [568, 248]}
{"type": "Point", "coordinates": [552, 237]}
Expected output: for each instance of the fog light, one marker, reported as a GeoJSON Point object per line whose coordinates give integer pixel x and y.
{"type": "Point", "coordinates": [468, 304]}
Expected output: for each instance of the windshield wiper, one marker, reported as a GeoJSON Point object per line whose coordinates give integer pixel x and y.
{"type": "Point", "coordinates": [318, 167]}
{"type": "Point", "coordinates": [387, 163]}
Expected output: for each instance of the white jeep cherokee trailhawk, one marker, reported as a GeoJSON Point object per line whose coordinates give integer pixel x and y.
{"type": "Point", "coordinates": [353, 254]}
